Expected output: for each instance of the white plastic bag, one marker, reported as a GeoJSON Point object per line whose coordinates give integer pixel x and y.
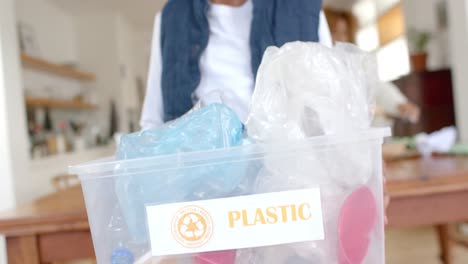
{"type": "Point", "coordinates": [307, 89]}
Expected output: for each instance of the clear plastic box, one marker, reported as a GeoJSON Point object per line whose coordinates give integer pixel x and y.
{"type": "Point", "coordinates": [337, 165]}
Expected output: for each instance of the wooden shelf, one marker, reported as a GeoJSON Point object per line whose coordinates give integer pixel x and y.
{"type": "Point", "coordinates": [55, 103]}
{"type": "Point", "coordinates": [60, 70]}
{"type": "Point", "coordinates": [75, 157]}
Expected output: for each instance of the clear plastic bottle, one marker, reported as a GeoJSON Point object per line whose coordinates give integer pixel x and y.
{"type": "Point", "coordinates": [121, 254]}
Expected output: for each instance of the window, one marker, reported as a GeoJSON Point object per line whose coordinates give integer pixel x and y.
{"type": "Point", "coordinates": [368, 38]}
{"type": "Point", "coordinates": [393, 60]}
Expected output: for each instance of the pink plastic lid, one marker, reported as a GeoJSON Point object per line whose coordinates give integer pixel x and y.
{"type": "Point", "coordinates": [356, 222]}
{"type": "Point", "coordinates": [218, 257]}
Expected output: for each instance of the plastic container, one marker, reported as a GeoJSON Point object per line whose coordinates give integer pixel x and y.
{"type": "Point", "coordinates": [347, 169]}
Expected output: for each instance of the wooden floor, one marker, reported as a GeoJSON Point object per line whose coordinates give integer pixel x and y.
{"type": "Point", "coordinates": [417, 246]}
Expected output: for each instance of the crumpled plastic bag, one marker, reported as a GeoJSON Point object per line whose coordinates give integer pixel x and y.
{"type": "Point", "coordinates": [211, 127]}
{"type": "Point", "coordinates": [438, 141]}
{"type": "Point", "coordinates": [307, 89]}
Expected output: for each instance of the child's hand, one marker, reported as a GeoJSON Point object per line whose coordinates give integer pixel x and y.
{"type": "Point", "coordinates": [410, 112]}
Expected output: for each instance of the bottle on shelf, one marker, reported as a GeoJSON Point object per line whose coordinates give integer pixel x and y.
{"type": "Point", "coordinates": [61, 142]}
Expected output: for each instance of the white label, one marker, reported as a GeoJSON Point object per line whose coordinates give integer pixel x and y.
{"type": "Point", "coordinates": [234, 223]}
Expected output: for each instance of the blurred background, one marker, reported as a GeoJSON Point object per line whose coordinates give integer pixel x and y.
{"type": "Point", "coordinates": [73, 76]}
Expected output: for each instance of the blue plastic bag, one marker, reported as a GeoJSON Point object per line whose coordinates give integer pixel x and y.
{"type": "Point", "coordinates": [212, 127]}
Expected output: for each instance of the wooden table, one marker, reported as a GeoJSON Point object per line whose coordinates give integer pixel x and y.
{"type": "Point", "coordinates": [55, 228]}
{"type": "Point", "coordinates": [52, 229]}
{"type": "Point", "coordinates": [429, 192]}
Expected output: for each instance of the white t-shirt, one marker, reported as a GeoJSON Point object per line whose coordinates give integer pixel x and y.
{"type": "Point", "coordinates": [225, 65]}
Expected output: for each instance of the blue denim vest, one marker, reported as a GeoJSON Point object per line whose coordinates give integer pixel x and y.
{"type": "Point", "coordinates": [185, 32]}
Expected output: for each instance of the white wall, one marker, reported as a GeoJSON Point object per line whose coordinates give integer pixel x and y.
{"type": "Point", "coordinates": [54, 29]}
{"type": "Point", "coordinates": [142, 44]}
{"type": "Point", "coordinates": [13, 139]}
{"type": "Point", "coordinates": [458, 20]}
{"type": "Point", "coordinates": [134, 47]}
{"type": "Point", "coordinates": [126, 52]}
{"type": "Point", "coordinates": [420, 14]}
{"type": "Point", "coordinates": [98, 52]}
{"type": "Point", "coordinates": [113, 49]}
{"type": "Point", "coordinates": [14, 144]}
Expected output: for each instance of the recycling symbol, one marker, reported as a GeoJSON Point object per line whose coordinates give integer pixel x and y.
{"type": "Point", "coordinates": [192, 226]}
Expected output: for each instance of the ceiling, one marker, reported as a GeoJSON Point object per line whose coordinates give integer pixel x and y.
{"type": "Point", "coordinates": [379, 5]}
{"type": "Point", "coordinates": [366, 11]}
{"type": "Point", "coordinates": [340, 4]}
{"type": "Point", "coordinates": [141, 12]}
